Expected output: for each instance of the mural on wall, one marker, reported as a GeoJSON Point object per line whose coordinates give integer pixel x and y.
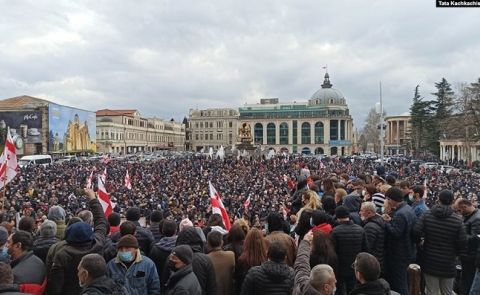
{"type": "Point", "coordinates": [71, 130]}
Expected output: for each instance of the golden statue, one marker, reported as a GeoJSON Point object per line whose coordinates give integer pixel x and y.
{"type": "Point", "coordinates": [245, 132]}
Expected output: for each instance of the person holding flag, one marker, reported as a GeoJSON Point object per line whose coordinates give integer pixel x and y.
{"type": "Point", "coordinates": [103, 196]}
{"type": "Point", "coordinates": [8, 162]}
{"type": "Point", "coordinates": [217, 205]}
{"type": "Point", "coordinates": [128, 183]}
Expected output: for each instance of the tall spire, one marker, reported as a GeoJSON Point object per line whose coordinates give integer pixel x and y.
{"type": "Point", "coordinates": [326, 82]}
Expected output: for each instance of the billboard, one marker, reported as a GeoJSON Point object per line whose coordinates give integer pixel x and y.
{"type": "Point", "coordinates": [25, 127]}
{"type": "Point", "coordinates": [71, 130]}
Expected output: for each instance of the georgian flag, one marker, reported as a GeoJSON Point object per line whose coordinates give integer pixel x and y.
{"type": "Point", "coordinates": [217, 205]}
{"type": "Point", "coordinates": [8, 161]}
{"type": "Point", "coordinates": [322, 166]}
{"type": "Point", "coordinates": [247, 203]}
{"type": "Point", "coordinates": [128, 184]}
{"type": "Point", "coordinates": [89, 180]}
{"type": "Point", "coordinates": [103, 196]}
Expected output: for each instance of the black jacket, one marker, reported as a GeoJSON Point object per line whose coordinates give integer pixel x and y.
{"type": "Point", "coordinates": [144, 238]}
{"type": "Point", "coordinates": [103, 286]}
{"type": "Point", "coordinates": [400, 246]}
{"type": "Point", "coordinates": [444, 239]}
{"type": "Point", "coordinates": [349, 240]}
{"type": "Point", "coordinates": [155, 230]}
{"type": "Point", "coordinates": [183, 282]}
{"type": "Point", "coordinates": [269, 278]}
{"type": "Point", "coordinates": [472, 227]}
{"type": "Point", "coordinates": [159, 255]}
{"type": "Point", "coordinates": [42, 245]}
{"type": "Point", "coordinates": [63, 278]}
{"type": "Point", "coordinates": [377, 287]}
{"type": "Point", "coordinates": [202, 265]}
{"type": "Point", "coordinates": [375, 234]}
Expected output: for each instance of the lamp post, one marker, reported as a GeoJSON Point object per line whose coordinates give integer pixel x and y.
{"type": "Point", "coordinates": [379, 109]}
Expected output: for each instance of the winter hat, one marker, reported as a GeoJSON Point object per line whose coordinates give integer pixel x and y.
{"type": "Point", "coordinates": [128, 241]}
{"type": "Point", "coordinates": [395, 194]}
{"type": "Point", "coordinates": [185, 223]}
{"type": "Point", "coordinates": [79, 233]}
{"type": "Point", "coordinates": [133, 214]}
{"type": "Point", "coordinates": [319, 217]}
{"type": "Point", "coordinates": [184, 253]}
{"type": "Point", "coordinates": [189, 236]}
{"type": "Point", "coordinates": [3, 235]}
{"type": "Point", "coordinates": [342, 212]}
{"type": "Point", "coordinates": [446, 197]}
{"type": "Point", "coordinates": [48, 229]}
{"type": "Point", "coordinates": [56, 213]}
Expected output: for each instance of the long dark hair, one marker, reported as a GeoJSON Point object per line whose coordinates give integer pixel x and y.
{"type": "Point", "coordinates": [254, 249]}
{"type": "Point", "coordinates": [323, 251]}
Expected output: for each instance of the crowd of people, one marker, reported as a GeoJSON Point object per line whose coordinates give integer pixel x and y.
{"type": "Point", "coordinates": [310, 226]}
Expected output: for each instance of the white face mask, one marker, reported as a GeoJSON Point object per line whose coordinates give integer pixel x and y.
{"type": "Point", "coordinates": [334, 290]}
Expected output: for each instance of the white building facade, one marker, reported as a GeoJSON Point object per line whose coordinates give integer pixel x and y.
{"type": "Point", "coordinates": [125, 132]}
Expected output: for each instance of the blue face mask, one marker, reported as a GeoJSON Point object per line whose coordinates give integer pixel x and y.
{"type": "Point", "coordinates": [4, 252]}
{"type": "Point", "coordinates": [125, 256]}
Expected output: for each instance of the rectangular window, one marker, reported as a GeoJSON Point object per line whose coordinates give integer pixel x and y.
{"type": "Point", "coordinates": [230, 124]}
{"type": "Point", "coordinates": [294, 132]}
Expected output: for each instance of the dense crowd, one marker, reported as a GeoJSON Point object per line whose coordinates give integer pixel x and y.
{"type": "Point", "coordinates": [310, 226]}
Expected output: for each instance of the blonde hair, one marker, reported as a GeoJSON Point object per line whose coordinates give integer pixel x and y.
{"type": "Point", "coordinates": [384, 188]}
{"type": "Point", "coordinates": [313, 201]}
{"type": "Point", "coordinates": [340, 193]}
{"type": "Point", "coordinates": [243, 224]}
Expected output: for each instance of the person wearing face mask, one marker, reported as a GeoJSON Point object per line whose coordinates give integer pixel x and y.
{"type": "Point", "coordinates": [92, 277]}
{"type": "Point", "coordinates": [182, 280]}
{"type": "Point", "coordinates": [319, 280]}
{"type": "Point", "coordinates": [367, 273]}
{"type": "Point", "coordinates": [416, 199]}
{"type": "Point", "coordinates": [137, 273]}
{"type": "Point", "coordinates": [3, 247]}
{"type": "Point", "coordinates": [374, 227]}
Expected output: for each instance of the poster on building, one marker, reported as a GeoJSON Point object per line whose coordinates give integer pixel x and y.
{"type": "Point", "coordinates": [25, 127]}
{"type": "Point", "coordinates": [71, 130]}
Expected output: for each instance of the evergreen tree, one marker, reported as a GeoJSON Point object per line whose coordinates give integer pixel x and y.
{"type": "Point", "coordinates": [421, 117]}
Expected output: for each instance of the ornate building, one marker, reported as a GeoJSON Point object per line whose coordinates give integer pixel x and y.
{"type": "Point", "coordinates": [125, 131]}
{"type": "Point", "coordinates": [322, 125]}
{"type": "Point", "coordinates": [211, 128]}
{"type": "Point", "coordinates": [397, 134]}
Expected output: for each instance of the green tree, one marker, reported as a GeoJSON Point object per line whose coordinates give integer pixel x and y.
{"type": "Point", "coordinates": [421, 119]}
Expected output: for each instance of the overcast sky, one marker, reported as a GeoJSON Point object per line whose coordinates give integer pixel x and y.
{"type": "Point", "coordinates": [165, 57]}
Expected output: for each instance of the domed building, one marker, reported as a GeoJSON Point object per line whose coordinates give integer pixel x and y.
{"type": "Point", "coordinates": [322, 125]}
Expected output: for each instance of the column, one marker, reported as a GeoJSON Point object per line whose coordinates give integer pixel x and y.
{"type": "Point", "coordinates": [264, 133]}
{"type": "Point", "coordinates": [277, 133]}
{"type": "Point", "coordinates": [338, 130]}
{"type": "Point", "coordinates": [290, 132]}
{"type": "Point", "coordinates": [398, 133]}
{"type": "Point", "coordinates": [326, 133]}
{"type": "Point", "coordinates": [312, 134]}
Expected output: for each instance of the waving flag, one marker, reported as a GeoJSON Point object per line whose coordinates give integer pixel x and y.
{"type": "Point", "coordinates": [89, 180]}
{"type": "Point", "coordinates": [247, 203]}
{"type": "Point", "coordinates": [128, 184]}
{"type": "Point", "coordinates": [217, 205]}
{"type": "Point", "coordinates": [103, 196]}
{"type": "Point", "coordinates": [8, 161]}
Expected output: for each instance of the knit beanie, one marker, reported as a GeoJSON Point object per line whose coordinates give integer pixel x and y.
{"type": "Point", "coordinates": [342, 212]}
{"type": "Point", "coordinates": [185, 223]}
{"type": "Point", "coordinates": [184, 253]}
{"type": "Point", "coordinates": [128, 241]}
{"type": "Point", "coordinates": [56, 213]}
{"type": "Point", "coordinates": [79, 233]}
{"type": "Point", "coordinates": [48, 229]}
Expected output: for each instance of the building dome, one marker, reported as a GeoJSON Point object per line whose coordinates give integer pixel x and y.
{"type": "Point", "coordinates": [327, 94]}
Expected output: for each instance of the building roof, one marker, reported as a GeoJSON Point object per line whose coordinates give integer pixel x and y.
{"type": "Point", "coordinates": [327, 94]}
{"type": "Point", "coordinates": [107, 112]}
{"type": "Point", "coordinates": [23, 101]}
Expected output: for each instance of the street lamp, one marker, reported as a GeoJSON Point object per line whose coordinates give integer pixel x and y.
{"type": "Point", "coordinates": [379, 110]}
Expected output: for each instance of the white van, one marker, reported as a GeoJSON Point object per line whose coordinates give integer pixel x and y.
{"type": "Point", "coordinates": [35, 160]}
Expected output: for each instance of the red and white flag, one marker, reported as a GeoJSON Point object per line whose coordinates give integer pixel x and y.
{"type": "Point", "coordinates": [103, 196]}
{"type": "Point", "coordinates": [285, 177]}
{"type": "Point", "coordinates": [247, 203]}
{"type": "Point", "coordinates": [321, 166]}
{"type": "Point", "coordinates": [128, 184]}
{"type": "Point", "coordinates": [89, 180]}
{"type": "Point", "coordinates": [8, 161]}
{"type": "Point", "coordinates": [106, 159]}
{"type": "Point", "coordinates": [217, 205]}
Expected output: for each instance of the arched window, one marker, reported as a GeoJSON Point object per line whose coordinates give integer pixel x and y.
{"type": "Point", "coordinates": [319, 151]}
{"type": "Point", "coordinates": [258, 133]}
{"type": "Point", "coordinates": [284, 133]}
{"type": "Point", "coordinates": [306, 133]}
{"type": "Point", "coordinates": [318, 133]}
{"type": "Point", "coordinates": [271, 133]}
{"type": "Point", "coordinates": [306, 151]}
{"type": "Point", "coordinates": [333, 151]}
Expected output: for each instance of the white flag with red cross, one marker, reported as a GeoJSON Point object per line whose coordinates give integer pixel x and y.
{"type": "Point", "coordinates": [217, 206]}
{"type": "Point", "coordinates": [8, 161]}
{"type": "Point", "coordinates": [103, 196]}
